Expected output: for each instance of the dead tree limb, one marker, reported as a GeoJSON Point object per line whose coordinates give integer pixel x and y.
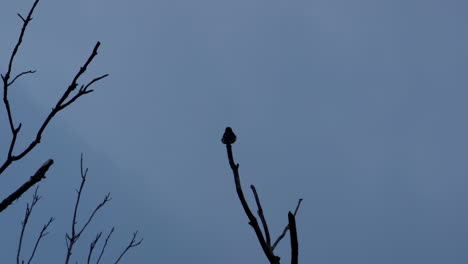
{"type": "Point", "coordinates": [38, 176]}
{"type": "Point", "coordinates": [264, 238]}
{"type": "Point", "coordinates": [252, 219]}
{"type": "Point", "coordinates": [294, 242]}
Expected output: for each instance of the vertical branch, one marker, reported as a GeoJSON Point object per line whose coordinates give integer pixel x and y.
{"type": "Point", "coordinates": [92, 246]}
{"type": "Point", "coordinates": [105, 245]}
{"type": "Point", "coordinates": [7, 75]}
{"type": "Point", "coordinates": [252, 219]}
{"type": "Point", "coordinates": [24, 223]}
{"type": "Point", "coordinates": [75, 232]}
{"type": "Point", "coordinates": [293, 235]}
{"type": "Point", "coordinates": [262, 216]}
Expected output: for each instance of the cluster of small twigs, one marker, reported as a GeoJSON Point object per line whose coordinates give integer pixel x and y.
{"type": "Point", "coordinates": [76, 232]}
{"type": "Point", "coordinates": [264, 238]}
{"type": "Point", "coordinates": [69, 96]}
{"type": "Point", "coordinates": [24, 223]}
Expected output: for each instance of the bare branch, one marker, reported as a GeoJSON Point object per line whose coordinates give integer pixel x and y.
{"type": "Point", "coordinates": [75, 235]}
{"type": "Point", "coordinates": [132, 244]}
{"type": "Point", "coordinates": [19, 75]}
{"type": "Point", "coordinates": [83, 90]}
{"type": "Point", "coordinates": [38, 176]}
{"type": "Point", "coordinates": [93, 245]}
{"type": "Point", "coordinates": [24, 223]}
{"type": "Point", "coordinates": [6, 78]}
{"type": "Point", "coordinates": [99, 206]}
{"type": "Point", "coordinates": [293, 235]}
{"type": "Point", "coordinates": [285, 230]}
{"type": "Point", "coordinates": [42, 234]}
{"type": "Point", "coordinates": [252, 219]}
{"type": "Point", "coordinates": [60, 105]}
{"type": "Point", "coordinates": [262, 217]}
{"type": "Point", "coordinates": [105, 245]}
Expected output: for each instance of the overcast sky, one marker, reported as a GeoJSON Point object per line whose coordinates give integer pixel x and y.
{"type": "Point", "coordinates": [359, 107]}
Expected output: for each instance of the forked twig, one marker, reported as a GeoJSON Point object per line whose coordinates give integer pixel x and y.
{"type": "Point", "coordinates": [132, 244]}
{"type": "Point", "coordinates": [42, 234]}
{"type": "Point", "coordinates": [75, 233]}
{"type": "Point", "coordinates": [285, 230]}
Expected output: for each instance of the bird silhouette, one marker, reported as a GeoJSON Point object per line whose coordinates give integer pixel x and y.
{"type": "Point", "coordinates": [228, 137]}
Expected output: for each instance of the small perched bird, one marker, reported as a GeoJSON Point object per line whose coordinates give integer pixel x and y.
{"type": "Point", "coordinates": [228, 137]}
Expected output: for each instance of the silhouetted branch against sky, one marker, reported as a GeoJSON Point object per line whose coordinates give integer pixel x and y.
{"type": "Point", "coordinates": [65, 100]}
{"type": "Point", "coordinates": [264, 238]}
{"type": "Point", "coordinates": [76, 232]}
{"type": "Point", "coordinates": [24, 223]}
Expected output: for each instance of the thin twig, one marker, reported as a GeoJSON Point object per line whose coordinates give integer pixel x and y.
{"type": "Point", "coordinates": [285, 230]}
{"type": "Point", "coordinates": [262, 216]}
{"type": "Point", "coordinates": [93, 245]}
{"type": "Point", "coordinates": [130, 245]}
{"type": "Point", "coordinates": [42, 234]}
{"type": "Point", "coordinates": [38, 176]}
{"type": "Point", "coordinates": [105, 245]}
{"type": "Point", "coordinates": [293, 235]}
{"type": "Point", "coordinates": [19, 75]}
{"type": "Point", "coordinates": [24, 223]}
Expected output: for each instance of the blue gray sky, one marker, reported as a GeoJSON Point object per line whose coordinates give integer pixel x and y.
{"type": "Point", "coordinates": [359, 107]}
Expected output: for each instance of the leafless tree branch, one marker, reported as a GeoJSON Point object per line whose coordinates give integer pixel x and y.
{"type": "Point", "coordinates": [285, 230]}
{"type": "Point", "coordinates": [252, 219]}
{"type": "Point", "coordinates": [42, 234]}
{"type": "Point", "coordinates": [75, 235]}
{"type": "Point", "coordinates": [262, 217]}
{"type": "Point", "coordinates": [60, 105]}
{"type": "Point", "coordinates": [38, 176]}
{"type": "Point", "coordinates": [228, 139]}
{"type": "Point", "coordinates": [105, 245]}
{"type": "Point", "coordinates": [24, 223]}
{"type": "Point", "coordinates": [293, 235]}
{"type": "Point", "coordinates": [19, 75]}
{"type": "Point", "coordinates": [93, 245]}
{"type": "Point", "coordinates": [132, 244]}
